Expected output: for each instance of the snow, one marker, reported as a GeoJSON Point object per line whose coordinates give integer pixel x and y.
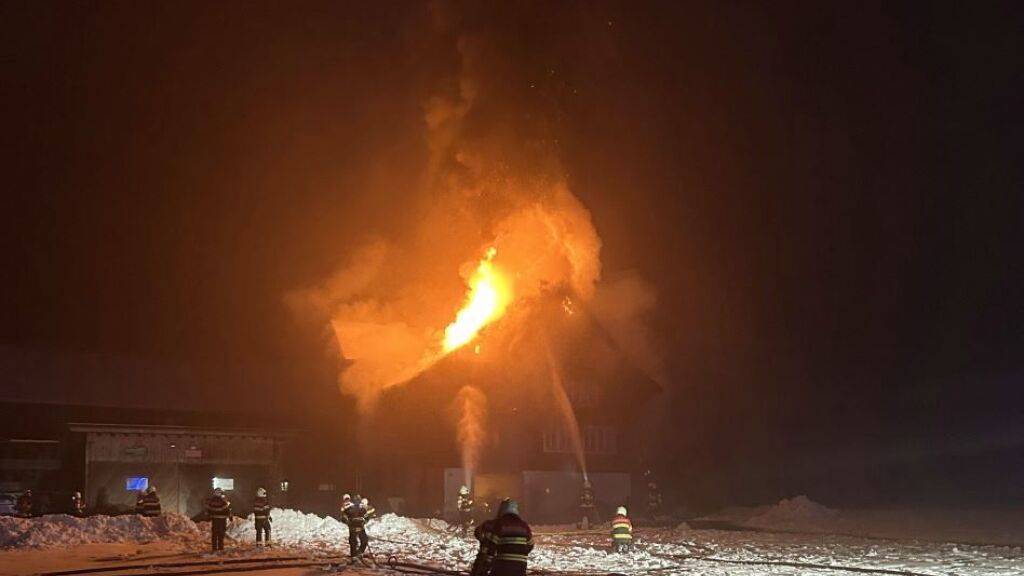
{"type": "Point", "coordinates": [64, 530]}
{"type": "Point", "coordinates": [801, 514]}
{"type": "Point", "coordinates": [673, 550]}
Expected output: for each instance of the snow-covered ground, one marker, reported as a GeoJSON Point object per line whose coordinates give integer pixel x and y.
{"type": "Point", "coordinates": [679, 550]}
{"type": "Point", "coordinates": [800, 514]}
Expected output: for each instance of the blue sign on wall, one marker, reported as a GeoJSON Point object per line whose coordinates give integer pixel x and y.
{"type": "Point", "coordinates": [136, 483]}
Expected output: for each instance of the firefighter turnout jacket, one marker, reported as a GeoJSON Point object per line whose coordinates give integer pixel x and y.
{"type": "Point", "coordinates": [356, 516]}
{"type": "Point", "coordinates": [218, 507]}
{"type": "Point", "coordinates": [513, 541]}
{"type": "Point", "coordinates": [261, 508]}
{"type": "Point", "coordinates": [622, 529]}
{"type": "Point", "coordinates": [150, 505]}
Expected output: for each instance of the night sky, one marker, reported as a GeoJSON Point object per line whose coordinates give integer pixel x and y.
{"type": "Point", "coordinates": [827, 198]}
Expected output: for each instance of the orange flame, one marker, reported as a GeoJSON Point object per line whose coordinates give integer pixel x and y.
{"type": "Point", "coordinates": [489, 295]}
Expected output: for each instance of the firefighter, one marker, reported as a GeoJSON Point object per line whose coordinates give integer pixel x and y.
{"type": "Point", "coordinates": [219, 509]}
{"type": "Point", "coordinates": [140, 502]}
{"type": "Point", "coordinates": [355, 517]}
{"type": "Point", "coordinates": [261, 513]}
{"type": "Point", "coordinates": [24, 504]}
{"type": "Point", "coordinates": [346, 503]}
{"type": "Point", "coordinates": [513, 541]}
{"type": "Point", "coordinates": [622, 531]}
{"type": "Point", "coordinates": [370, 511]}
{"type": "Point", "coordinates": [588, 510]}
{"type": "Point", "coordinates": [653, 500]}
{"type": "Point", "coordinates": [484, 533]}
{"type": "Point", "coordinates": [465, 506]}
{"type": "Point", "coordinates": [150, 503]}
{"type": "Point", "coordinates": [77, 504]}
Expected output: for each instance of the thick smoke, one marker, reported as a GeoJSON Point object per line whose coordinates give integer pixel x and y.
{"type": "Point", "coordinates": [492, 179]}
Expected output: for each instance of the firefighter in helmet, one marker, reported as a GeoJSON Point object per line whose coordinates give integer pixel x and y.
{"type": "Point", "coordinates": [261, 513]}
{"type": "Point", "coordinates": [588, 508]}
{"type": "Point", "coordinates": [622, 531]}
{"type": "Point", "coordinates": [77, 504]}
{"type": "Point", "coordinates": [150, 503]}
{"type": "Point", "coordinates": [465, 506]}
{"type": "Point", "coordinates": [653, 500]}
{"type": "Point", "coordinates": [513, 541]}
{"type": "Point", "coordinates": [355, 516]}
{"type": "Point", "coordinates": [219, 509]}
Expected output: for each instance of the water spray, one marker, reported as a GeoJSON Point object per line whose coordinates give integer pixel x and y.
{"type": "Point", "coordinates": [472, 409]}
{"type": "Point", "coordinates": [570, 424]}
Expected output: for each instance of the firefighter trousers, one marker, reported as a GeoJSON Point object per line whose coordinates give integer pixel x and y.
{"type": "Point", "coordinates": [357, 542]}
{"type": "Point", "coordinates": [263, 530]}
{"type": "Point", "coordinates": [218, 527]}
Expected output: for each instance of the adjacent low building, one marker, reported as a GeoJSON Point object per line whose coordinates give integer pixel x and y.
{"type": "Point", "coordinates": [184, 463]}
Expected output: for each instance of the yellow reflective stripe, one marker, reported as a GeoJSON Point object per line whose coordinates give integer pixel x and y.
{"type": "Point", "coordinates": [514, 540]}
{"type": "Point", "coordinates": [622, 536]}
{"type": "Point", "coordinates": [513, 557]}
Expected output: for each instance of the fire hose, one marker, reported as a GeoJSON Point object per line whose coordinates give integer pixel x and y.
{"type": "Point", "coordinates": [171, 565]}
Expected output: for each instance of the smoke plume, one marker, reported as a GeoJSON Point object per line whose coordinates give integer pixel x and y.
{"type": "Point", "coordinates": [492, 179]}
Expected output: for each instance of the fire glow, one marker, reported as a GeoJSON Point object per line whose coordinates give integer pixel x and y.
{"type": "Point", "coordinates": [489, 295]}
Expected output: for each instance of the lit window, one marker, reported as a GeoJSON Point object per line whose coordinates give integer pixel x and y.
{"type": "Point", "coordinates": [284, 485]}
{"type": "Point", "coordinates": [224, 483]}
{"type": "Point", "coordinates": [136, 483]}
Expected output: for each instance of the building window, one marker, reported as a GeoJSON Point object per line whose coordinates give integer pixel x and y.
{"type": "Point", "coordinates": [224, 483]}
{"type": "Point", "coordinates": [284, 485]}
{"type": "Point", "coordinates": [136, 483]}
{"type": "Point", "coordinates": [583, 394]}
{"type": "Point", "coordinates": [599, 440]}
{"type": "Point", "coordinates": [326, 487]}
{"type": "Point", "coordinates": [594, 440]}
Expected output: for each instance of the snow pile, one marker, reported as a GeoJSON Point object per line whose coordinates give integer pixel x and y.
{"type": "Point", "coordinates": [795, 513]}
{"type": "Point", "coordinates": [64, 530]}
{"type": "Point", "coordinates": [291, 527]}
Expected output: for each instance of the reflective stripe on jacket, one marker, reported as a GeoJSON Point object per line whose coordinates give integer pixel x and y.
{"type": "Point", "coordinates": [261, 508]}
{"type": "Point", "coordinates": [622, 528]}
{"type": "Point", "coordinates": [218, 507]}
{"type": "Point", "coordinates": [513, 539]}
{"type": "Point", "coordinates": [151, 505]}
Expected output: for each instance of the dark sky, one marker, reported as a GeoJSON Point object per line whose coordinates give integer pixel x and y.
{"type": "Point", "coordinates": [828, 198]}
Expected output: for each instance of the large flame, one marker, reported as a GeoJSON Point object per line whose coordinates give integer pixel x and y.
{"type": "Point", "coordinates": [489, 295]}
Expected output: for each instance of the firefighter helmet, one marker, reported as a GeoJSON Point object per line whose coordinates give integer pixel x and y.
{"type": "Point", "coordinates": [151, 490]}
{"type": "Point", "coordinates": [365, 502]}
{"type": "Point", "coordinates": [346, 498]}
{"type": "Point", "coordinates": [508, 506]}
{"type": "Point", "coordinates": [261, 492]}
{"type": "Point", "coordinates": [78, 494]}
{"type": "Point", "coordinates": [464, 490]}
{"type": "Point", "coordinates": [218, 492]}
{"type": "Point", "coordinates": [621, 511]}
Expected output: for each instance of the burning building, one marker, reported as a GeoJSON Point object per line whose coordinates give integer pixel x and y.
{"type": "Point", "coordinates": [529, 420]}
{"type": "Point", "coordinates": [479, 335]}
